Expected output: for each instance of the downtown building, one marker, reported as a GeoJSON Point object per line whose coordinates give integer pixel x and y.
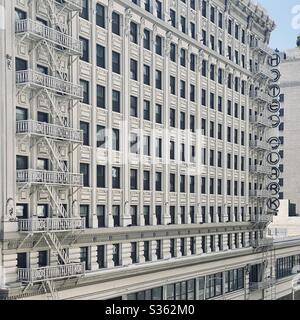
{"type": "Point", "coordinates": [134, 137]}
{"type": "Point", "coordinates": [287, 222]}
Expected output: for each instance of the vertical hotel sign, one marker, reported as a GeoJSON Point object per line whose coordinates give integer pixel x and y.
{"type": "Point", "coordinates": [273, 157]}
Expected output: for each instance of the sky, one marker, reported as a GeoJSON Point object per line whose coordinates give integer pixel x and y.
{"type": "Point", "coordinates": [286, 15]}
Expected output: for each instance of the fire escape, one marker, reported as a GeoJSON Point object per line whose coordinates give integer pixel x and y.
{"type": "Point", "coordinates": [260, 170]}
{"type": "Point", "coordinates": [62, 95]}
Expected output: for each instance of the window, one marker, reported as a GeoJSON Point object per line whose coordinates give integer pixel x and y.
{"type": "Point", "coordinates": [101, 138]}
{"type": "Point", "coordinates": [173, 18]}
{"type": "Point", "coordinates": [173, 52]}
{"type": "Point", "coordinates": [22, 211]}
{"type": "Point", "coordinates": [100, 15]}
{"type": "Point", "coordinates": [101, 218]}
{"type": "Point", "coordinates": [193, 62]}
{"type": "Point", "coordinates": [204, 8]}
{"type": "Point", "coordinates": [42, 211]}
{"type": "Point", "coordinates": [134, 215]}
{"type": "Point", "coordinates": [116, 178]}
{"type": "Point", "coordinates": [22, 162]}
{"type": "Point", "coordinates": [146, 180]}
{"type": "Point", "coordinates": [146, 110]}
{"type": "Point", "coordinates": [173, 85]}
{"type": "Point", "coordinates": [158, 113]}
{"type": "Point", "coordinates": [146, 40]}
{"type": "Point", "coordinates": [101, 256]}
{"type": "Point", "coordinates": [203, 185]}
{"type": "Point", "coordinates": [192, 93]}
{"type": "Point", "coordinates": [159, 9]}
{"type": "Point", "coordinates": [182, 183]}
{"type": "Point", "coordinates": [43, 259]}
{"type": "Point", "coordinates": [212, 100]}
{"type": "Point", "coordinates": [85, 10]}
{"type": "Point", "coordinates": [172, 182]}
{"type": "Point", "coordinates": [158, 79]}
{"type": "Point", "coordinates": [193, 30]}
{"type": "Point", "coordinates": [158, 181]}
{"type": "Point", "coordinates": [101, 177]}
{"type": "Point", "coordinates": [158, 147]}
{"type": "Point", "coordinates": [183, 24]}
{"type": "Point", "coordinates": [101, 98]}
{"type": "Point", "coordinates": [158, 215]}
{"type": "Point", "coordinates": [146, 213]}
{"type": "Point", "coordinates": [84, 126]}
{"type": "Point", "coordinates": [116, 101]}
{"type": "Point", "coordinates": [116, 216]}
{"type": "Point", "coordinates": [20, 15]}
{"type": "Point", "coordinates": [204, 68]}
{"type": "Point", "coordinates": [116, 67]}
{"type": "Point", "coordinates": [21, 114]}
{"type": "Point", "coordinates": [192, 184]}
{"type": "Point", "coordinates": [146, 75]}
{"type": "Point", "coordinates": [183, 57]}
{"type": "Point", "coordinates": [212, 129]}
{"type": "Point", "coordinates": [115, 23]}
{"type": "Point", "coordinates": [134, 252]}
{"type": "Point", "coordinates": [146, 251]}
{"type": "Point", "coordinates": [158, 45]}
{"type": "Point", "coordinates": [182, 89]}
{"type": "Point", "coordinates": [133, 179]}
{"type": "Point", "coordinates": [133, 106]}
{"type": "Point", "coordinates": [172, 150]}
{"type": "Point", "coordinates": [85, 171]}
{"type": "Point", "coordinates": [85, 49]}
{"type": "Point", "coordinates": [116, 255]}
{"type": "Point", "coordinates": [133, 69]}
{"type": "Point", "coordinates": [86, 91]}
{"type": "Point", "coordinates": [172, 118]}
{"type": "Point", "coordinates": [133, 32]}
{"type": "Point", "coordinates": [147, 146]}
{"type": "Point", "coordinates": [192, 123]}
{"type": "Point", "coordinates": [84, 214]}
{"type": "Point", "coordinates": [115, 139]}
{"type": "Point", "coordinates": [21, 64]}
{"type": "Point", "coordinates": [182, 120]}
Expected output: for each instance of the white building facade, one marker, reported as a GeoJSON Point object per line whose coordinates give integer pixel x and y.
{"type": "Point", "coordinates": [133, 151]}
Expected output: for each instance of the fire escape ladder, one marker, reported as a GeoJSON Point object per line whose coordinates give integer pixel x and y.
{"type": "Point", "coordinates": [57, 112]}
{"type": "Point", "coordinates": [60, 209]}
{"type": "Point", "coordinates": [56, 154]}
{"type": "Point", "coordinates": [56, 245]}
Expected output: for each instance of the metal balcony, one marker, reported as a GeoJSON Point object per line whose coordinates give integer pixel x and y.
{"type": "Point", "coordinates": [260, 194]}
{"type": "Point", "coordinates": [32, 275]}
{"type": "Point", "coordinates": [49, 130]}
{"type": "Point", "coordinates": [262, 218]}
{"type": "Point", "coordinates": [260, 169]}
{"type": "Point", "coordinates": [261, 243]}
{"type": "Point", "coordinates": [71, 5]}
{"type": "Point", "coordinates": [262, 72]}
{"type": "Point", "coordinates": [36, 225]}
{"type": "Point", "coordinates": [37, 31]}
{"type": "Point", "coordinates": [261, 47]}
{"type": "Point", "coordinates": [261, 97]}
{"type": "Point", "coordinates": [44, 177]}
{"type": "Point", "coordinates": [260, 120]}
{"type": "Point", "coordinates": [40, 80]}
{"type": "Point", "coordinates": [260, 145]}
